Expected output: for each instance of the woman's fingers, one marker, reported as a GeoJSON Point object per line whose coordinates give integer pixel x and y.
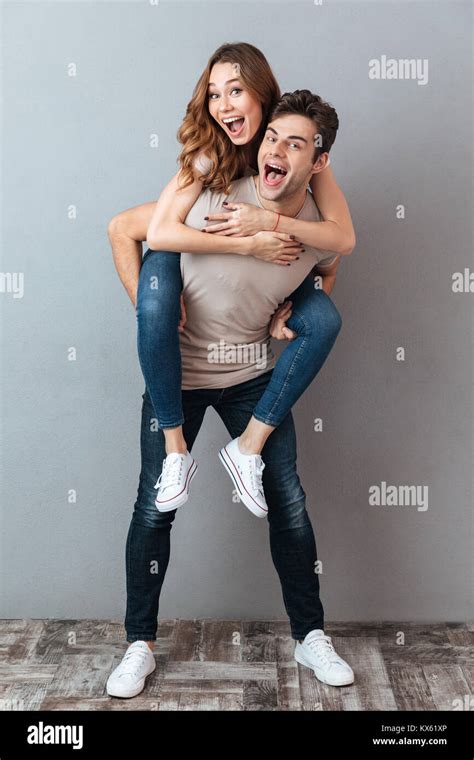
{"type": "Point", "coordinates": [286, 258]}
{"type": "Point", "coordinates": [286, 238]}
{"type": "Point", "coordinates": [216, 217]}
{"type": "Point", "coordinates": [289, 255]}
{"type": "Point", "coordinates": [219, 227]}
{"type": "Point", "coordinates": [229, 232]}
{"type": "Point", "coordinates": [292, 246]}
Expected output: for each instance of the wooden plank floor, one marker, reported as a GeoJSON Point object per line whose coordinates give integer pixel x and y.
{"type": "Point", "coordinates": [236, 665]}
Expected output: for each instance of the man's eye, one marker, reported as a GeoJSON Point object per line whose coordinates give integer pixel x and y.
{"type": "Point", "coordinates": [294, 145]}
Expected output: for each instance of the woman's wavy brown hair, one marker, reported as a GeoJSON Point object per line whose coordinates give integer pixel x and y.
{"type": "Point", "coordinates": [200, 133]}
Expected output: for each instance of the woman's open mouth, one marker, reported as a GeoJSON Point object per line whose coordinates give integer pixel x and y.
{"type": "Point", "coordinates": [234, 124]}
{"type": "Point", "coordinates": [274, 174]}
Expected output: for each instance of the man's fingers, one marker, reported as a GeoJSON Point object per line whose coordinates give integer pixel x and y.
{"type": "Point", "coordinates": [289, 334]}
{"type": "Point", "coordinates": [283, 308]}
{"type": "Point", "coordinates": [182, 320]}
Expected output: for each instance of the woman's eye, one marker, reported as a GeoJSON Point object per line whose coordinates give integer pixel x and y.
{"type": "Point", "coordinates": [236, 89]}
{"type": "Point", "coordinates": [270, 138]}
{"type": "Point", "coordinates": [213, 95]}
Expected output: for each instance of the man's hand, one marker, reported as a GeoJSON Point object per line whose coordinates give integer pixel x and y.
{"type": "Point", "coordinates": [182, 320]}
{"type": "Point", "coordinates": [278, 328]}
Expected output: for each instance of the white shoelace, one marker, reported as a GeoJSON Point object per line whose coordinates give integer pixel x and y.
{"type": "Point", "coordinates": [132, 662]}
{"type": "Point", "coordinates": [171, 473]}
{"type": "Point", "coordinates": [256, 468]}
{"type": "Point", "coordinates": [322, 647]}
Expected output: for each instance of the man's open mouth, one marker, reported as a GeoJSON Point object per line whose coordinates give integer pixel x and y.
{"type": "Point", "coordinates": [234, 123]}
{"type": "Point", "coordinates": [274, 174]}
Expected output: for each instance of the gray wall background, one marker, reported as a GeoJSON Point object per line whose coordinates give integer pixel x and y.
{"type": "Point", "coordinates": [84, 141]}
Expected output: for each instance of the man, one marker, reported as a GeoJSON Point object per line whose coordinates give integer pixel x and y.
{"type": "Point", "coordinates": [236, 299]}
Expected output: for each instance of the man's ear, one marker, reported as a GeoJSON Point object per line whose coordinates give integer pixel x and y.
{"type": "Point", "coordinates": [320, 163]}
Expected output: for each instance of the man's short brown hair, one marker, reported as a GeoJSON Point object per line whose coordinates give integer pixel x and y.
{"type": "Point", "coordinates": [306, 103]}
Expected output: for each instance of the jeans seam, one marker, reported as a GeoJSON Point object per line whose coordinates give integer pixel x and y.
{"type": "Point", "coordinates": [170, 425]}
{"type": "Point", "coordinates": [270, 417]}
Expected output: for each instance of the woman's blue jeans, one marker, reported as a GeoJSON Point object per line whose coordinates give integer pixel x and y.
{"type": "Point", "coordinates": [315, 320]}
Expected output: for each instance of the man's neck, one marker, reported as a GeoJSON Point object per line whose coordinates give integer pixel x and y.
{"type": "Point", "coordinates": [290, 205]}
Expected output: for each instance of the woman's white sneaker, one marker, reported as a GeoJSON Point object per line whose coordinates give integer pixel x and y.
{"type": "Point", "coordinates": [174, 481]}
{"type": "Point", "coordinates": [317, 652]}
{"type": "Point", "coordinates": [128, 678]}
{"type": "Point", "coordinates": [246, 473]}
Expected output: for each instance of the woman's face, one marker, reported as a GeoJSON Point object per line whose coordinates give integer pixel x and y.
{"type": "Point", "coordinates": [234, 108]}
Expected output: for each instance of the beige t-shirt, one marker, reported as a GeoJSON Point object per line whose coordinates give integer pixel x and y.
{"type": "Point", "coordinates": [230, 299]}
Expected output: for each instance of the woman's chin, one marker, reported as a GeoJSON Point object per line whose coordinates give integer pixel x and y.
{"type": "Point", "coordinates": [240, 140]}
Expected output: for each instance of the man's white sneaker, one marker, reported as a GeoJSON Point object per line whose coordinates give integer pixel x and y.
{"type": "Point", "coordinates": [128, 678]}
{"type": "Point", "coordinates": [246, 472]}
{"type": "Point", "coordinates": [317, 652]}
{"type": "Point", "coordinates": [174, 481]}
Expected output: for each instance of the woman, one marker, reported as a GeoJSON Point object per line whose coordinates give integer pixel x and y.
{"type": "Point", "coordinates": [220, 134]}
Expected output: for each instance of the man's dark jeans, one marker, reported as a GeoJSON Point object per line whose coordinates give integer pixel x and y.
{"type": "Point", "coordinates": [292, 542]}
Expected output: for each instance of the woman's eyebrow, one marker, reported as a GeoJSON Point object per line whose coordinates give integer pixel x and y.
{"type": "Point", "coordinates": [229, 81]}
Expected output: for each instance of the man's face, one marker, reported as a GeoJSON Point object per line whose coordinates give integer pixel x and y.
{"type": "Point", "coordinates": [286, 157]}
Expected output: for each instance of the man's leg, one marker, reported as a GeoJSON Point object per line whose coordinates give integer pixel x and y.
{"type": "Point", "coordinates": [292, 541]}
{"type": "Point", "coordinates": [148, 540]}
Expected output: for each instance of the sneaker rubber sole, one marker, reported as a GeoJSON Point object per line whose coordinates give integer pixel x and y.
{"type": "Point", "coordinates": [126, 694]}
{"type": "Point", "coordinates": [299, 657]}
{"type": "Point", "coordinates": [243, 495]}
{"type": "Point", "coordinates": [185, 495]}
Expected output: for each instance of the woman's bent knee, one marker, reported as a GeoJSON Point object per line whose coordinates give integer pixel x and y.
{"type": "Point", "coordinates": [316, 318]}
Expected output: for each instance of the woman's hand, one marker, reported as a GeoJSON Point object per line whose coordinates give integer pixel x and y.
{"type": "Point", "coordinates": [241, 219]}
{"type": "Point", "coordinates": [274, 247]}
{"type": "Point", "coordinates": [278, 328]}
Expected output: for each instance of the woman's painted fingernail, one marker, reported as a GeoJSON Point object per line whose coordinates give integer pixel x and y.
{"type": "Point", "coordinates": [206, 218]}
{"type": "Point", "coordinates": [225, 203]}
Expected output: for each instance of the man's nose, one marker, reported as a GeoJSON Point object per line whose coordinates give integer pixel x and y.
{"type": "Point", "coordinates": [276, 150]}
